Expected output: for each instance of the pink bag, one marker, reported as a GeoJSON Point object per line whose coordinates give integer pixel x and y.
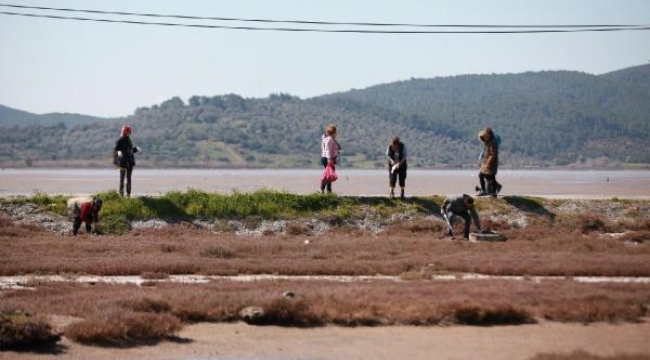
{"type": "Point", "coordinates": [329, 175]}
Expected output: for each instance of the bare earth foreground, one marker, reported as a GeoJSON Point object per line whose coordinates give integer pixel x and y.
{"type": "Point", "coordinates": [241, 341]}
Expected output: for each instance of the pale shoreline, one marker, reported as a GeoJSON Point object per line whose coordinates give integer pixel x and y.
{"type": "Point", "coordinates": [589, 184]}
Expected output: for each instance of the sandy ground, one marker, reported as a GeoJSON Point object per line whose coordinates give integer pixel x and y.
{"type": "Point", "coordinates": [574, 184]}
{"type": "Point", "coordinates": [243, 342]}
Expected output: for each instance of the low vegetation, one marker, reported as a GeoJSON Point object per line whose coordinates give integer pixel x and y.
{"type": "Point", "coordinates": [21, 331]}
{"type": "Point", "coordinates": [545, 237]}
{"type": "Point", "coordinates": [123, 328]}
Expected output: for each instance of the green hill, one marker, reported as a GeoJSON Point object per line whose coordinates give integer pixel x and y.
{"type": "Point", "coordinates": [545, 119]}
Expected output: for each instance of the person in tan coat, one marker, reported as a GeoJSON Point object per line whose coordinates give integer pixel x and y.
{"type": "Point", "coordinates": [489, 163]}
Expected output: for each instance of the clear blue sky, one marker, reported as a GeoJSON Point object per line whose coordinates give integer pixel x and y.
{"type": "Point", "coordinates": [102, 69]}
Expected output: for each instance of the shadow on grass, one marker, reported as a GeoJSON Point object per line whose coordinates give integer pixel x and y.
{"type": "Point", "coordinates": [164, 208]}
{"type": "Point", "coordinates": [429, 205]}
{"type": "Point", "coordinates": [48, 348]}
{"type": "Point", "coordinates": [134, 343]}
{"type": "Point", "coordinates": [529, 204]}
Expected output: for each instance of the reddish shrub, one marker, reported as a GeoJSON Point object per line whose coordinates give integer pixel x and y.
{"type": "Point", "coordinates": [504, 315]}
{"type": "Point", "coordinates": [146, 305]}
{"type": "Point", "coordinates": [123, 328]}
{"type": "Point", "coordinates": [288, 312]}
{"type": "Point", "coordinates": [20, 331]}
{"type": "Point", "coordinates": [589, 223]}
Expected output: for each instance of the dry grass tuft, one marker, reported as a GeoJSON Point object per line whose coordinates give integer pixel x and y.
{"type": "Point", "coordinates": [218, 252]}
{"type": "Point", "coordinates": [20, 331]}
{"type": "Point", "coordinates": [595, 309]}
{"type": "Point", "coordinates": [8, 228]}
{"type": "Point", "coordinates": [588, 223]}
{"type": "Point", "coordinates": [638, 237]}
{"type": "Point", "coordinates": [289, 312]}
{"type": "Point", "coordinates": [293, 228]}
{"type": "Point", "coordinates": [124, 328]}
{"type": "Point", "coordinates": [416, 226]}
{"type": "Point", "coordinates": [501, 315]}
{"type": "Point", "coordinates": [146, 305]}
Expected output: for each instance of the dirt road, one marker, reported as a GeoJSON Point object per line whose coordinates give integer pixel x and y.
{"type": "Point", "coordinates": [243, 342]}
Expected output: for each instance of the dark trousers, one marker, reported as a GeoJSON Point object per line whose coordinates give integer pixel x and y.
{"type": "Point", "coordinates": [451, 216]}
{"type": "Point", "coordinates": [125, 172]}
{"type": "Point", "coordinates": [77, 225]}
{"type": "Point", "coordinates": [323, 161]}
{"type": "Point", "coordinates": [491, 183]}
{"type": "Point", "coordinates": [400, 174]}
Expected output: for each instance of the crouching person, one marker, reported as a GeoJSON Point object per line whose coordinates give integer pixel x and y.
{"type": "Point", "coordinates": [87, 212]}
{"type": "Point", "coordinates": [462, 206]}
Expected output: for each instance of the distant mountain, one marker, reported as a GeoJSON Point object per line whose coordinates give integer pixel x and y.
{"type": "Point", "coordinates": [546, 118]}
{"type": "Point", "coordinates": [636, 76]}
{"type": "Point", "coordinates": [10, 117]}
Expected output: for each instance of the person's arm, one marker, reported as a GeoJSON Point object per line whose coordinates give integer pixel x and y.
{"type": "Point", "coordinates": [443, 207]}
{"type": "Point", "coordinates": [403, 155]}
{"type": "Point", "coordinates": [115, 150]}
{"type": "Point", "coordinates": [390, 159]}
{"type": "Point", "coordinates": [475, 219]}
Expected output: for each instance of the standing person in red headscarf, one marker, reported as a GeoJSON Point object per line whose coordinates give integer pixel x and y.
{"type": "Point", "coordinates": [124, 159]}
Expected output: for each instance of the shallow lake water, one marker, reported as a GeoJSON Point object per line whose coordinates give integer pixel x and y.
{"type": "Point", "coordinates": [550, 183]}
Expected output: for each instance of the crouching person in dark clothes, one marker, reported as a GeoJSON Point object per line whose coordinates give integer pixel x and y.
{"type": "Point", "coordinates": [462, 206]}
{"type": "Point", "coordinates": [87, 212]}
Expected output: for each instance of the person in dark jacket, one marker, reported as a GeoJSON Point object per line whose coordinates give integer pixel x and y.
{"type": "Point", "coordinates": [87, 212]}
{"type": "Point", "coordinates": [489, 164]}
{"type": "Point", "coordinates": [124, 158]}
{"type": "Point", "coordinates": [396, 154]}
{"type": "Point", "coordinates": [462, 206]}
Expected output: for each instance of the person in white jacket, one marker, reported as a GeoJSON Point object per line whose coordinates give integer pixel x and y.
{"type": "Point", "coordinates": [330, 152]}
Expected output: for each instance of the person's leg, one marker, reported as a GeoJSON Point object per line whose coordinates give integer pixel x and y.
{"type": "Point", "coordinates": [89, 228]}
{"type": "Point", "coordinates": [468, 222]}
{"type": "Point", "coordinates": [497, 185]}
{"type": "Point", "coordinates": [76, 225]}
{"type": "Point", "coordinates": [392, 179]}
{"type": "Point", "coordinates": [323, 161]}
{"type": "Point", "coordinates": [122, 175]}
{"type": "Point", "coordinates": [129, 171]}
{"type": "Point", "coordinates": [402, 180]}
{"type": "Point", "coordinates": [481, 180]}
{"type": "Point", "coordinates": [491, 185]}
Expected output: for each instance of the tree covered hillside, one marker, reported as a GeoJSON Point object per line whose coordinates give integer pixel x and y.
{"type": "Point", "coordinates": [545, 118]}
{"type": "Point", "coordinates": [554, 117]}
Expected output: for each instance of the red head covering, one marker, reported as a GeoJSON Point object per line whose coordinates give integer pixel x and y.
{"type": "Point", "coordinates": [126, 130]}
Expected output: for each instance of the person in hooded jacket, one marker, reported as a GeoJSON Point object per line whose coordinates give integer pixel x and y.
{"type": "Point", "coordinates": [489, 164]}
{"type": "Point", "coordinates": [124, 158]}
